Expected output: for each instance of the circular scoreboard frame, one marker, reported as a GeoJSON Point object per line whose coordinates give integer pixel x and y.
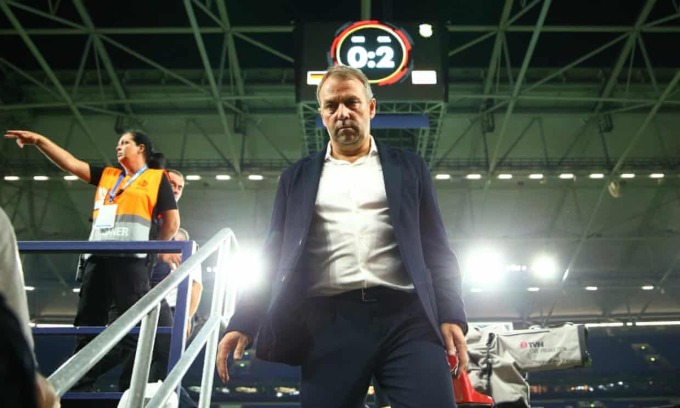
{"type": "Point", "coordinates": [400, 64]}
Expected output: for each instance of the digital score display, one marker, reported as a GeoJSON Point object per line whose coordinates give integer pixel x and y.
{"type": "Point", "coordinates": [400, 63]}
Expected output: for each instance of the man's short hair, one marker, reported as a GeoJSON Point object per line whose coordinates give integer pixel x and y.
{"type": "Point", "coordinates": [183, 232]}
{"type": "Point", "coordinates": [345, 72]}
{"type": "Point", "coordinates": [175, 171]}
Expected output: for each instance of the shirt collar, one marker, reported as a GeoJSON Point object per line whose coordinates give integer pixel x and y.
{"type": "Point", "coordinates": [372, 152]}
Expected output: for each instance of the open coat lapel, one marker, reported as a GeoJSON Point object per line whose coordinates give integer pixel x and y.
{"type": "Point", "coordinates": [311, 175]}
{"type": "Point", "coordinates": [392, 176]}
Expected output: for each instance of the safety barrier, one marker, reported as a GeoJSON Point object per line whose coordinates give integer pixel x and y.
{"type": "Point", "coordinates": [147, 310]}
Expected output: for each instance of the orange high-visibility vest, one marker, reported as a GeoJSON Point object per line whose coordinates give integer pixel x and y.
{"type": "Point", "coordinates": [135, 205]}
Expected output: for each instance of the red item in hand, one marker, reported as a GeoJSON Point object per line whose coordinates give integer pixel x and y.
{"type": "Point", "coordinates": [464, 393]}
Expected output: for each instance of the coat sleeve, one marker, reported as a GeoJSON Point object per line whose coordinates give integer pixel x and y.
{"type": "Point", "coordinates": [439, 257]}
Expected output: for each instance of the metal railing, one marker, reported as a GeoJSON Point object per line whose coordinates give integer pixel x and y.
{"type": "Point", "coordinates": [147, 310]}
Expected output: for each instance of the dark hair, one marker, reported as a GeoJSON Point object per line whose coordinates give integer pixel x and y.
{"type": "Point", "coordinates": [154, 160]}
{"type": "Point", "coordinates": [158, 161]}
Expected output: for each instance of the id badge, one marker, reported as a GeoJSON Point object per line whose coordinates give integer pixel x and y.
{"type": "Point", "coordinates": [99, 204]}
{"type": "Point", "coordinates": [106, 217]}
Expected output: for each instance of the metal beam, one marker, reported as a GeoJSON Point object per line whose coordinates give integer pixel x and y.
{"type": "Point", "coordinates": [648, 64]}
{"type": "Point", "coordinates": [518, 139]}
{"type": "Point", "coordinates": [81, 67]}
{"type": "Point", "coordinates": [518, 85]}
{"type": "Point", "coordinates": [556, 74]}
{"type": "Point", "coordinates": [32, 230]}
{"type": "Point", "coordinates": [156, 65]}
{"type": "Point", "coordinates": [228, 30]}
{"type": "Point", "coordinates": [471, 43]}
{"type": "Point", "coordinates": [84, 30]}
{"type": "Point", "coordinates": [648, 28]}
{"type": "Point", "coordinates": [455, 142]}
{"type": "Point", "coordinates": [639, 103]}
{"type": "Point", "coordinates": [50, 74]}
{"type": "Point", "coordinates": [646, 220]}
{"type": "Point", "coordinates": [494, 61]}
{"type": "Point", "coordinates": [631, 144]}
{"type": "Point", "coordinates": [489, 30]}
{"type": "Point", "coordinates": [213, 86]}
{"type": "Point", "coordinates": [209, 140]}
{"type": "Point", "coordinates": [104, 55]}
{"type": "Point", "coordinates": [656, 202]}
{"type": "Point", "coordinates": [658, 286]}
{"type": "Point", "coordinates": [29, 78]}
{"type": "Point", "coordinates": [365, 9]}
{"type": "Point", "coordinates": [234, 65]}
{"type": "Point", "coordinates": [625, 52]}
{"type": "Point", "coordinates": [263, 46]}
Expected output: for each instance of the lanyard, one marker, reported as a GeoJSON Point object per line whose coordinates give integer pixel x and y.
{"type": "Point", "coordinates": [120, 179]}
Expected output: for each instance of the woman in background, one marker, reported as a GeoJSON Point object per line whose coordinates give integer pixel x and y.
{"type": "Point", "coordinates": [126, 201]}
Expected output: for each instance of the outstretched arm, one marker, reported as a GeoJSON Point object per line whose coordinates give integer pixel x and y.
{"type": "Point", "coordinates": [63, 159]}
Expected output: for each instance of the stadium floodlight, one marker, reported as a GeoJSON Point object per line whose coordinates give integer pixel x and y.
{"type": "Point", "coordinates": [544, 267]}
{"type": "Point", "coordinates": [484, 267]}
{"type": "Point", "coordinates": [247, 269]}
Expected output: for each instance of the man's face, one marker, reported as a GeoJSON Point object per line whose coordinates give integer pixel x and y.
{"type": "Point", "coordinates": [177, 183]}
{"type": "Point", "coordinates": [346, 112]}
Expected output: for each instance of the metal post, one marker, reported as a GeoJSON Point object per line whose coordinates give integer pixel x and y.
{"type": "Point", "coordinates": [175, 377]}
{"type": "Point", "coordinates": [179, 325]}
{"type": "Point", "coordinates": [140, 371]}
{"type": "Point", "coordinates": [217, 309]}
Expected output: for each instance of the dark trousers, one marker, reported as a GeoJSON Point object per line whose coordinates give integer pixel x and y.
{"type": "Point", "coordinates": [388, 337]}
{"type": "Point", "coordinates": [17, 368]}
{"type": "Point", "coordinates": [117, 281]}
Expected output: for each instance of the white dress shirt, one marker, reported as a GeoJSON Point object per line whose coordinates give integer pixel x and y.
{"type": "Point", "coordinates": [351, 243]}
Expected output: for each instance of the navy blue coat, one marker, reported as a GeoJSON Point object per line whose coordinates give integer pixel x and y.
{"type": "Point", "coordinates": [273, 311]}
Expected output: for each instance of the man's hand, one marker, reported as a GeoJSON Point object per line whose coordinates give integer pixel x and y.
{"type": "Point", "coordinates": [232, 341]}
{"type": "Point", "coordinates": [45, 394]}
{"type": "Point", "coordinates": [171, 259]}
{"type": "Point", "coordinates": [454, 339]}
{"type": "Point", "coordinates": [188, 333]}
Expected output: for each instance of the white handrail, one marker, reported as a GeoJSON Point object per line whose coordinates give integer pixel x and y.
{"type": "Point", "coordinates": [80, 363]}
